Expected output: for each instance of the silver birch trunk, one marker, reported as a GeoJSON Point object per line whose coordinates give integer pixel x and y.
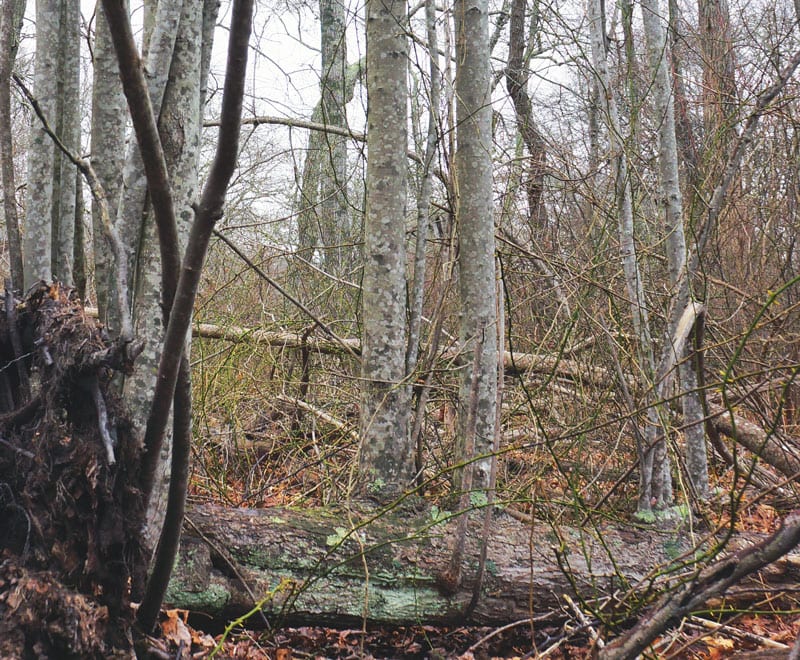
{"type": "Point", "coordinates": [386, 456]}
{"type": "Point", "coordinates": [655, 488]}
{"type": "Point", "coordinates": [476, 243]}
{"type": "Point", "coordinates": [679, 278]}
{"type": "Point", "coordinates": [108, 150]}
{"type": "Point", "coordinates": [38, 241]}
{"type": "Point", "coordinates": [11, 15]}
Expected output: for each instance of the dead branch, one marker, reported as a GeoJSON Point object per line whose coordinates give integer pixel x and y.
{"type": "Point", "coordinates": [712, 581]}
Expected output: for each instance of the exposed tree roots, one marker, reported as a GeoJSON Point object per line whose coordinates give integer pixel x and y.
{"type": "Point", "coordinates": [71, 519]}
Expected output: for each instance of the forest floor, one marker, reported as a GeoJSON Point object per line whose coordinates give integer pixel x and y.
{"type": "Point", "coordinates": [744, 636]}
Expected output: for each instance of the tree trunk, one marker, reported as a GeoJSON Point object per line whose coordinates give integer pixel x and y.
{"type": "Point", "coordinates": [317, 569]}
{"type": "Point", "coordinates": [11, 14]}
{"type": "Point", "coordinates": [176, 51]}
{"type": "Point", "coordinates": [333, 220]}
{"type": "Point", "coordinates": [108, 152]}
{"type": "Point", "coordinates": [340, 566]}
{"type": "Point", "coordinates": [679, 277]}
{"type": "Point", "coordinates": [655, 488]}
{"type": "Point", "coordinates": [41, 152]}
{"type": "Point", "coordinates": [476, 242]}
{"type": "Point", "coordinates": [68, 128]}
{"type": "Point", "coordinates": [386, 457]}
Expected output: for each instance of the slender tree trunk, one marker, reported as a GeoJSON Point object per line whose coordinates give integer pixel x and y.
{"type": "Point", "coordinates": [655, 484]}
{"type": "Point", "coordinates": [68, 129]}
{"type": "Point", "coordinates": [517, 76]}
{"type": "Point", "coordinates": [424, 193]}
{"type": "Point", "coordinates": [719, 79]}
{"type": "Point", "coordinates": [476, 243]}
{"type": "Point", "coordinates": [11, 14]}
{"type": "Point", "coordinates": [108, 151]}
{"type": "Point", "coordinates": [50, 210]}
{"type": "Point", "coordinates": [658, 55]}
{"type": "Point", "coordinates": [386, 457]}
{"type": "Point", "coordinates": [334, 223]}
{"type": "Point", "coordinates": [79, 241]}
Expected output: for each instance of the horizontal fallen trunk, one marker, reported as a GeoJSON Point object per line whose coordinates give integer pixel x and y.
{"type": "Point", "coordinates": [339, 567]}
{"type": "Point", "coordinates": [781, 453]}
{"type": "Point", "coordinates": [336, 566]}
{"type": "Point", "coordinates": [554, 365]}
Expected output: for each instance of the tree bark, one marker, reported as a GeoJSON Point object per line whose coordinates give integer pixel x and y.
{"type": "Point", "coordinates": [108, 153]}
{"type": "Point", "coordinates": [343, 565]}
{"type": "Point", "coordinates": [38, 240]}
{"type": "Point", "coordinates": [318, 569]}
{"type": "Point", "coordinates": [333, 217]}
{"type": "Point", "coordinates": [679, 279]}
{"type": "Point", "coordinates": [11, 14]}
{"type": "Point", "coordinates": [476, 242]}
{"type": "Point", "coordinates": [386, 456]}
{"type": "Point", "coordinates": [68, 129]}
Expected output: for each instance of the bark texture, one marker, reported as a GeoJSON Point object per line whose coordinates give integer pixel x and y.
{"type": "Point", "coordinates": [476, 242]}
{"type": "Point", "coordinates": [38, 239]}
{"type": "Point", "coordinates": [343, 565]}
{"type": "Point", "coordinates": [108, 152]}
{"type": "Point", "coordinates": [333, 216]}
{"type": "Point", "coordinates": [11, 14]}
{"type": "Point", "coordinates": [340, 566]}
{"type": "Point", "coordinates": [68, 129]}
{"type": "Point", "coordinates": [386, 458]}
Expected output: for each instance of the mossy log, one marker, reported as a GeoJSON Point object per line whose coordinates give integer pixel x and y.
{"type": "Point", "coordinates": [339, 566]}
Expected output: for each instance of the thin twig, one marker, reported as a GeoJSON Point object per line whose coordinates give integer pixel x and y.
{"type": "Point", "coordinates": [585, 621]}
{"type": "Point", "coordinates": [508, 626]}
{"type": "Point", "coordinates": [18, 450]}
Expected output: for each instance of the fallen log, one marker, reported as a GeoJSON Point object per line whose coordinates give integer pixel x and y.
{"type": "Point", "coordinates": [339, 567]}
{"type": "Point", "coordinates": [554, 365]}
{"type": "Point", "coordinates": [389, 568]}
{"type": "Point", "coordinates": [778, 451]}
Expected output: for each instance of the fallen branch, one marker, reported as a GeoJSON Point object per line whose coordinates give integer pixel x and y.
{"type": "Point", "coordinates": [706, 584]}
{"type": "Point", "coordinates": [770, 447]}
{"type": "Point", "coordinates": [342, 427]}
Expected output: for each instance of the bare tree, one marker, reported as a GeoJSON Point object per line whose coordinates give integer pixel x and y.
{"type": "Point", "coordinates": [679, 277]}
{"type": "Point", "coordinates": [476, 243]}
{"type": "Point", "coordinates": [386, 457]}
